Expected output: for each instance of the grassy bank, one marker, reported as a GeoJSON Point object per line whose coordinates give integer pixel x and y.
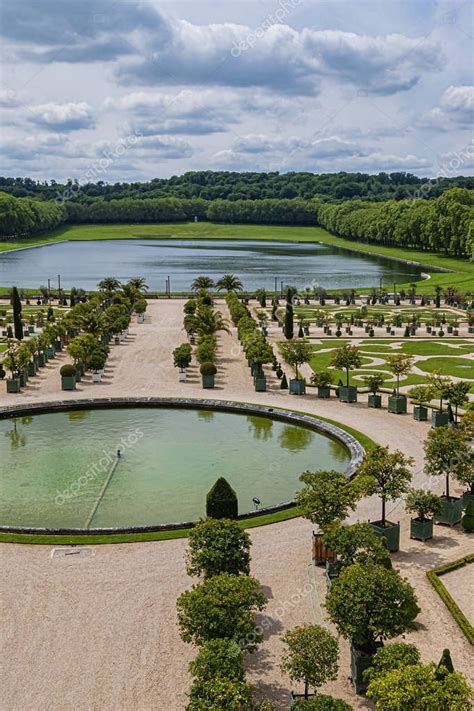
{"type": "Point", "coordinates": [462, 276]}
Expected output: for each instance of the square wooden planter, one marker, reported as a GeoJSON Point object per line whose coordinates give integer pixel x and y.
{"type": "Point", "coordinates": [324, 392]}
{"type": "Point", "coordinates": [421, 530]}
{"type": "Point", "coordinates": [260, 384]}
{"type": "Point", "coordinates": [420, 413]}
{"type": "Point", "coordinates": [13, 385]}
{"type": "Point", "coordinates": [347, 394]}
{"type": "Point", "coordinates": [397, 404]}
{"type": "Point", "coordinates": [390, 532]}
{"type": "Point", "coordinates": [207, 381]}
{"type": "Point", "coordinates": [297, 386]}
{"type": "Point", "coordinates": [451, 512]}
{"type": "Point", "coordinates": [360, 661]}
{"type": "Point", "coordinates": [68, 382]}
{"type": "Point", "coordinates": [375, 401]}
{"type": "Point", "coordinates": [439, 419]}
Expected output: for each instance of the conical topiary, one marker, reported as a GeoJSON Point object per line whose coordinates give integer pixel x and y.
{"type": "Point", "coordinates": [284, 383]}
{"type": "Point", "coordinates": [467, 521]}
{"type": "Point", "coordinates": [221, 501]}
{"type": "Point", "coordinates": [445, 665]}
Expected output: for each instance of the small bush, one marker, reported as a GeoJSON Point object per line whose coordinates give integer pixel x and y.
{"type": "Point", "coordinates": [467, 521]}
{"type": "Point", "coordinates": [221, 501]}
{"type": "Point", "coordinates": [208, 369]}
{"type": "Point", "coordinates": [68, 370]}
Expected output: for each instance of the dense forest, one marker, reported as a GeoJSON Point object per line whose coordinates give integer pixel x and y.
{"type": "Point", "coordinates": [216, 185]}
{"type": "Point", "coordinates": [443, 224]}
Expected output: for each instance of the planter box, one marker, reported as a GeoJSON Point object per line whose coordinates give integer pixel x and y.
{"type": "Point", "coordinates": [96, 376]}
{"type": "Point", "coordinates": [332, 572]}
{"type": "Point", "coordinates": [31, 329]}
{"type": "Point", "coordinates": [23, 378]}
{"type": "Point", "coordinates": [31, 369]}
{"type": "Point", "coordinates": [260, 384]}
{"type": "Point", "coordinates": [397, 404]}
{"type": "Point", "coordinates": [420, 413]}
{"type": "Point", "coordinates": [13, 385]}
{"type": "Point", "coordinates": [208, 381]}
{"type": "Point", "coordinates": [182, 376]}
{"type": "Point", "coordinates": [451, 513]}
{"type": "Point", "coordinates": [50, 352]}
{"type": "Point", "coordinates": [390, 532]}
{"type": "Point", "coordinates": [375, 401]}
{"type": "Point", "coordinates": [297, 387]}
{"type": "Point", "coordinates": [421, 530]}
{"type": "Point", "coordinates": [321, 554]}
{"type": "Point", "coordinates": [78, 375]}
{"type": "Point", "coordinates": [324, 391]}
{"type": "Point", "coordinates": [68, 382]}
{"type": "Point", "coordinates": [360, 661]}
{"type": "Point", "coordinates": [347, 394]}
{"type": "Point", "coordinates": [439, 419]}
{"type": "Point", "coordinates": [465, 498]}
{"type": "Point", "coordinates": [58, 346]}
{"type": "Point", "coordinates": [41, 359]}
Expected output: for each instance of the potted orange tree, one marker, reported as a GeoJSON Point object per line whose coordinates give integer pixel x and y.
{"type": "Point", "coordinates": [347, 358]}
{"type": "Point", "coordinates": [425, 505]}
{"type": "Point", "coordinates": [399, 364]}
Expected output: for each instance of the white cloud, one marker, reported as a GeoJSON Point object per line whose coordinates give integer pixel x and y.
{"type": "Point", "coordinates": [71, 116]}
{"type": "Point", "coordinates": [456, 108]}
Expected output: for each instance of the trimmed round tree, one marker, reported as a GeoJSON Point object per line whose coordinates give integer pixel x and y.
{"type": "Point", "coordinates": [346, 358]}
{"type": "Point", "coordinates": [323, 702]}
{"type": "Point", "coordinates": [219, 658]}
{"type": "Point", "coordinates": [326, 497]}
{"type": "Point", "coordinates": [416, 687]}
{"type": "Point", "coordinates": [394, 656]}
{"type": "Point", "coordinates": [386, 474]}
{"type": "Point", "coordinates": [357, 543]}
{"type": "Point", "coordinates": [221, 694]}
{"type": "Point", "coordinates": [222, 607]}
{"type": "Point", "coordinates": [368, 603]}
{"type": "Point", "coordinates": [311, 656]}
{"type": "Point", "coordinates": [218, 546]}
{"type": "Point", "coordinates": [448, 453]}
{"type": "Point", "coordinates": [221, 500]}
{"type": "Point", "coordinates": [399, 364]}
{"type": "Point", "coordinates": [296, 353]}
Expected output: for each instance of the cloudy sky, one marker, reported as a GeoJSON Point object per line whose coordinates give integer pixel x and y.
{"type": "Point", "coordinates": [131, 90]}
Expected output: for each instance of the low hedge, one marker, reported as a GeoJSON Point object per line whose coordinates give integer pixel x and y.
{"type": "Point", "coordinates": [434, 578]}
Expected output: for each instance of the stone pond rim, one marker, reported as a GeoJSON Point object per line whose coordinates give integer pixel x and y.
{"type": "Point", "coordinates": [308, 421]}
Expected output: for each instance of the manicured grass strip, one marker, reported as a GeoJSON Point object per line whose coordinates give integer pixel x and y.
{"type": "Point", "coordinates": [462, 276]}
{"type": "Point", "coordinates": [434, 578]}
{"type": "Point", "coordinates": [90, 540]}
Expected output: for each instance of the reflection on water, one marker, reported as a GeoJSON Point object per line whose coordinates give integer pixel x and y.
{"type": "Point", "coordinates": [77, 415]}
{"type": "Point", "coordinates": [205, 415]}
{"type": "Point", "coordinates": [339, 454]}
{"type": "Point", "coordinates": [16, 435]}
{"type": "Point", "coordinates": [295, 439]}
{"type": "Point", "coordinates": [261, 427]}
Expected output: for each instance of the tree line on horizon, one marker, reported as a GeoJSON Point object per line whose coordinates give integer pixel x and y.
{"type": "Point", "coordinates": [226, 185]}
{"type": "Point", "coordinates": [443, 224]}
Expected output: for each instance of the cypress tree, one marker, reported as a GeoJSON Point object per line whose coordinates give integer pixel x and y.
{"type": "Point", "coordinates": [221, 501]}
{"type": "Point", "coordinates": [289, 329]}
{"type": "Point", "coordinates": [16, 304]}
{"type": "Point", "coordinates": [445, 665]}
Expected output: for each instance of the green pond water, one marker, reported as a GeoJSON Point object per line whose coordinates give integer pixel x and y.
{"type": "Point", "coordinates": [61, 470]}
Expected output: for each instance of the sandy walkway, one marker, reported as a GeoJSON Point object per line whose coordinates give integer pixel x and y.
{"type": "Point", "coordinates": [100, 632]}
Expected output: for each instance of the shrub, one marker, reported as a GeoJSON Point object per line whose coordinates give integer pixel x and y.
{"type": "Point", "coordinates": [467, 521]}
{"type": "Point", "coordinates": [367, 602]}
{"type": "Point", "coordinates": [182, 356]}
{"type": "Point", "coordinates": [219, 694]}
{"type": "Point", "coordinates": [206, 352]}
{"type": "Point", "coordinates": [284, 383]}
{"type": "Point", "coordinates": [311, 656]}
{"type": "Point", "coordinates": [326, 497]}
{"type": "Point", "coordinates": [97, 360]}
{"type": "Point", "coordinates": [357, 543]}
{"type": "Point", "coordinates": [140, 306]}
{"type": "Point", "coordinates": [208, 369]}
{"type": "Point", "coordinates": [392, 657]}
{"type": "Point", "coordinates": [423, 503]}
{"type": "Point", "coordinates": [67, 370]}
{"type": "Point", "coordinates": [445, 665]}
{"type": "Point", "coordinates": [221, 607]}
{"type": "Point", "coordinates": [218, 546]}
{"type": "Point", "coordinates": [221, 501]}
{"type": "Point", "coordinates": [218, 658]}
{"type": "Point", "coordinates": [322, 379]}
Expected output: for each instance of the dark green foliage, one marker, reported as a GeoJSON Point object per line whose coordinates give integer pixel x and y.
{"type": "Point", "coordinates": [394, 656]}
{"type": "Point", "coordinates": [221, 501]}
{"type": "Point", "coordinates": [284, 383]}
{"type": "Point", "coordinates": [17, 323]}
{"type": "Point", "coordinates": [467, 521]}
{"type": "Point", "coordinates": [218, 546]}
{"type": "Point", "coordinates": [445, 665]}
{"type": "Point", "coordinates": [208, 369]}
{"type": "Point", "coordinates": [289, 325]}
{"type": "Point", "coordinates": [218, 658]}
{"type": "Point", "coordinates": [68, 370]}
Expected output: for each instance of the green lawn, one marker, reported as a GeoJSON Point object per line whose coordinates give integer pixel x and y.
{"type": "Point", "coordinates": [453, 365]}
{"type": "Point", "coordinates": [463, 277]}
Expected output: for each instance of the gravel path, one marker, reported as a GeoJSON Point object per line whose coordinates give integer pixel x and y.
{"type": "Point", "coordinates": [100, 632]}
